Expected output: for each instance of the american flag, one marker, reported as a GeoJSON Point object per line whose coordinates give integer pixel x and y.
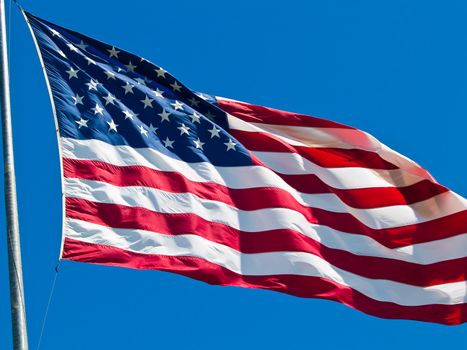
{"type": "Point", "coordinates": [157, 176]}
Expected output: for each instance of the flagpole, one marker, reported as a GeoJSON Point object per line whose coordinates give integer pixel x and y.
{"type": "Point", "coordinates": [18, 312]}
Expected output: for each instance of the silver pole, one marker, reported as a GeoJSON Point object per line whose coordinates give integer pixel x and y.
{"type": "Point", "coordinates": [18, 312]}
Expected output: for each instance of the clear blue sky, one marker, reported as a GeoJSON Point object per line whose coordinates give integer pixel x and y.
{"type": "Point", "coordinates": [397, 69]}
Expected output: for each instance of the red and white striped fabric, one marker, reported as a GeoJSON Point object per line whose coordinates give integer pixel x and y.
{"type": "Point", "coordinates": [328, 211]}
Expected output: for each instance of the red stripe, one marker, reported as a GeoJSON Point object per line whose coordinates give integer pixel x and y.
{"type": "Point", "coordinates": [119, 216]}
{"type": "Point", "coordinates": [259, 198]}
{"type": "Point", "coordinates": [260, 114]}
{"type": "Point", "coordinates": [324, 157]}
{"type": "Point", "coordinates": [303, 286]}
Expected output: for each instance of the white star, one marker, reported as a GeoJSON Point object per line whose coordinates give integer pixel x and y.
{"type": "Point", "coordinates": [73, 48]}
{"type": "Point", "coordinates": [193, 102]}
{"type": "Point", "coordinates": [90, 61]}
{"type": "Point", "coordinates": [183, 129]}
{"type": "Point", "coordinates": [214, 132]}
{"type": "Point", "coordinates": [140, 81]}
{"type": "Point", "coordinates": [113, 52]}
{"type": "Point", "coordinates": [168, 143]}
{"type": "Point", "coordinates": [72, 73]}
{"type": "Point", "coordinates": [130, 67]}
{"type": "Point", "coordinates": [164, 115]}
{"type": "Point", "coordinates": [61, 53]}
{"type": "Point", "coordinates": [152, 128]}
{"type": "Point", "coordinates": [143, 131]}
{"type": "Point", "coordinates": [112, 125]}
{"type": "Point", "coordinates": [78, 100]}
{"type": "Point", "coordinates": [82, 122]}
{"type": "Point", "coordinates": [158, 93]}
{"type": "Point", "coordinates": [98, 109]}
{"type": "Point", "coordinates": [230, 145]}
{"type": "Point", "coordinates": [82, 45]}
{"type": "Point", "coordinates": [195, 118]}
{"type": "Point", "coordinates": [128, 114]}
{"type": "Point", "coordinates": [198, 143]}
{"type": "Point", "coordinates": [210, 115]}
{"type": "Point", "coordinates": [177, 105]}
{"type": "Point", "coordinates": [160, 72]}
{"type": "Point", "coordinates": [92, 85]}
{"type": "Point", "coordinates": [55, 33]}
{"type": "Point", "coordinates": [128, 88]}
{"type": "Point", "coordinates": [110, 75]}
{"type": "Point", "coordinates": [175, 86]}
{"type": "Point", "coordinates": [147, 102]}
{"type": "Point", "coordinates": [109, 99]}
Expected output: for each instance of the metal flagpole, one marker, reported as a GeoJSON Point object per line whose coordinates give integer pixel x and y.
{"type": "Point", "coordinates": [18, 312]}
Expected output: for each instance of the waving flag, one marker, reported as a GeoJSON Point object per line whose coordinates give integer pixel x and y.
{"type": "Point", "coordinates": [157, 176]}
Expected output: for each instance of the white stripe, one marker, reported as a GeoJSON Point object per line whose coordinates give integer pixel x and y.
{"type": "Point", "coordinates": [265, 264]}
{"type": "Point", "coordinates": [347, 178]}
{"type": "Point", "coordinates": [344, 178]}
{"type": "Point", "coordinates": [293, 135]}
{"type": "Point", "coordinates": [332, 137]}
{"type": "Point", "coordinates": [257, 220]}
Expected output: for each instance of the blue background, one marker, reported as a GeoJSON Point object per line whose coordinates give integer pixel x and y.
{"type": "Point", "coordinates": [397, 69]}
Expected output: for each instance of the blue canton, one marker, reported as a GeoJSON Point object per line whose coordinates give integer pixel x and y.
{"type": "Point", "coordinates": [103, 92]}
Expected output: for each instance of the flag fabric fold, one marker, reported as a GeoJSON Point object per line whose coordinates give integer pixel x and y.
{"type": "Point", "coordinates": [157, 176]}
